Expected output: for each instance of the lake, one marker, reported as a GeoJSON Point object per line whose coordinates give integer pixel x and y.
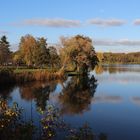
{"type": "Point", "coordinates": [108, 101]}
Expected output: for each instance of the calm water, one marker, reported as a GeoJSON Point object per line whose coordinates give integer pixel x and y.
{"type": "Point", "coordinates": [110, 105]}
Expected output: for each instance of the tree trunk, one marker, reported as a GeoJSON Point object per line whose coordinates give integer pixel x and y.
{"type": "Point", "coordinates": [84, 69]}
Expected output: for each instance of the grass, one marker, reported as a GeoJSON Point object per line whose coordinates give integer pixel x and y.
{"type": "Point", "coordinates": [25, 70]}
{"type": "Point", "coordinates": [38, 75]}
{"type": "Point", "coordinates": [27, 75]}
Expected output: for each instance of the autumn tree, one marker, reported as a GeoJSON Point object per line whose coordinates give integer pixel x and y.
{"type": "Point", "coordinates": [17, 58]}
{"type": "Point", "coordinates": [4, 50]}
{"type": "Point", "coordinates": [79, 51]}
{"type": "Point", "coordinates": [34, 51]}
{"type": "Point", "coordinates": [54, 60]}
{"type": "Point", "coordinates": [100, 56]}
{"type": "Point", "coordinates": [27, 48]}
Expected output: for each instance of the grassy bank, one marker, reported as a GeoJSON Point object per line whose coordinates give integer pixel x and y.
{"type": "Point", "coordinates": [8, 76]}
{"type": "Point", "coordinates": [39, 75]}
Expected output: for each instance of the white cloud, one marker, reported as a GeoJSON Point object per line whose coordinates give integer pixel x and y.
{"type": "Point", "coordinates": [57, 23]}
{"type": "Point", "coordinates": [136, 22]}
{"type": "Point", "coordinates": [106, 22]}
{"type": "Point", "coordinates": [121, 42]}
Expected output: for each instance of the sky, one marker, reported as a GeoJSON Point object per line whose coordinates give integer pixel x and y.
{"type": "Point", "coordinates": [113, 25]}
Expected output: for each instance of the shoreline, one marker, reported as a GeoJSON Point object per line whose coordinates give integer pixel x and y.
{"type": "Point", "coordinates": [8, 76]}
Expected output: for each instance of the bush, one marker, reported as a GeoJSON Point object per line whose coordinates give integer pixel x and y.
{"type": "Point", "coordinates": [11, 125]}
{"type": "Point", "coordinates": [6, 76]}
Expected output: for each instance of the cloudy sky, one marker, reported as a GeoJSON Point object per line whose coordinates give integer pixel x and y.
{"type": "Point", "coordinates": [114, 25]}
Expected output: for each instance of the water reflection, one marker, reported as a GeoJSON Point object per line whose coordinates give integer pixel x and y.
{"type": "Point", "coordinates": [136, 100]}
{"type": "Point", "coordinates": [117, 93]}
{"type": "Point", "coordinates": [108, 99]}
{"type": "Point", "coordinates": [38, 91]}
{"type": "Point", "coordinates": [5, 91]}
{"type": "Point", "coordinates": [77, 95]}
{"type": "Point", "coordinates": [116, 68]}
{"type": "Point", "coordinates": [99, 69]}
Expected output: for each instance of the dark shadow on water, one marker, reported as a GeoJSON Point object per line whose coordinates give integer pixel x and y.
{"type": "Point", "coordinates": [5, 91]}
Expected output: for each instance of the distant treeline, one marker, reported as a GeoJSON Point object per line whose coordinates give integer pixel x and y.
{"type": "Point", "coordinates": [124, 58]}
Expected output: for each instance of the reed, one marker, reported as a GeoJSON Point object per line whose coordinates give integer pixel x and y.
{"type": "Point", "coordinates": [40, 75]}
{"type": "Point", "coordinates": [7, 76]}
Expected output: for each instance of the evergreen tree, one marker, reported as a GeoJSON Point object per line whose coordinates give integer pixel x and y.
{"type": "Point", "coordinates": [42, 53]}
{"type": "Point", "coordinates": [4, 50]}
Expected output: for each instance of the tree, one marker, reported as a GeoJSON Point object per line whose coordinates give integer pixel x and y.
{"type": "Point", "coordinates": [54, 57]}
{"type": "Point", "coordinates": [4, 50]}
{"type": "Point", "coordinates": [42, 52]}
{"type": "Point", "coordinates": [34, 51]}
{"type": "Point", "coordinates": [17, 58]}
{"type": "Point", "coordinates": [79, 51]}
{"type": "Point", "coordinates": [27, 48]}
{"type": "Point", "coordinates": [100, 56]}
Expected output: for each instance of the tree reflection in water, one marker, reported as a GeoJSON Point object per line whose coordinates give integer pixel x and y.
{"type": "Point", "coordinates": [75, 98]}
{"type": "Point", "coordinates": [39, 92]}
{"type": "Point", "coordinates": [5, 91]}
{"type": "Point", "coordinates": [85, 133]}
{"type": "Point", "coordinates": [12, 127]}
{"type": "Point", "coordinates": [77, 95]}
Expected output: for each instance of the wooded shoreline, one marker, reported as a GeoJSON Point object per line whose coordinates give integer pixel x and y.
{"type": "Point", "coordinates": [119, 58]}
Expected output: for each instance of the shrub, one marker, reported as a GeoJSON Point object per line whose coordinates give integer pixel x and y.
{"type": "Point", "coordinates": [6, 76]}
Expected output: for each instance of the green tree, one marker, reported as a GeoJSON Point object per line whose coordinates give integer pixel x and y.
{"type": "Point", "coordinates": [79, 51]}
{"type": "Point", "coordinates": [4, 50]}
{"type": "Point", "coordinates": [54, 57]}
{"type": "Point", "coordinates": [42, 55]}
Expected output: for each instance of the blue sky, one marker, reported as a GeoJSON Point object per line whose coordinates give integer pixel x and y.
{"type": "Point", "coordinates": [114, 25]}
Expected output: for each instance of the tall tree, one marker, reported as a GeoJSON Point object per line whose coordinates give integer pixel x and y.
{"type": "Point", "coordinates": [34, 51]}
{"type": "Point", "coordinates": [42, 53]}
{"type": "Point", "coordinates": [27, 47]}
{"type": "Point", "coordinates": [79, 51]}
{"type": "Point", "coordinates": [54, 60]}
{"type": "Point", "coordinates": [4, 50]}
{"type": "Point", "coordinates": [17, 58]}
